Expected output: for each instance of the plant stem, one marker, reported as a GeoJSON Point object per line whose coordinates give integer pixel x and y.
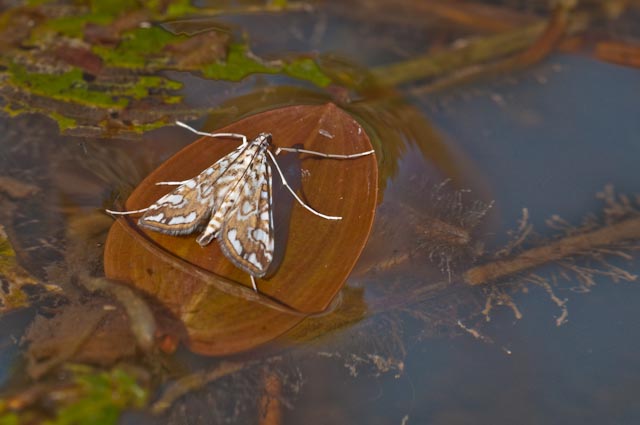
{"type": "Point", "coordinates": [473, 53]}
{"type": "Point", "coordinates": [565, 247]}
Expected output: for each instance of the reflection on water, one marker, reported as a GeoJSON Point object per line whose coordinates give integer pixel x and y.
{"type": "Point", "coordinates": [408, 342]}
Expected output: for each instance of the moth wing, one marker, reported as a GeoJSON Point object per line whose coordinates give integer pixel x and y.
{"type": "Point", "coordinates": [246, 235]}
{"type": "Point", "coordinates": [227, 191]}
{"type": "Point", "coordinates": [186, 208]}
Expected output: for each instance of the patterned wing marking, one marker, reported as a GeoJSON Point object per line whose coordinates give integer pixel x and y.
{"type": "Point", "coordinates": [186, 208]}
{"type": "Point", "coordinates": [227, 190]}
{"type": "Point", "coordinates": [246, 236]}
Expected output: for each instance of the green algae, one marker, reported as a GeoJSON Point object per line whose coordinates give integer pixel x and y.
{"type": "Point", "coordinates": [64, 123]}
{"type": "Point", "coordinates": [140, 86]}
{"type": "Point", "coordinates": [92, 397]}
{"type": "Point", "coordinates": [69, 87]}
{"type": "Point", "coordinates": [129, 63]}
{"type": "Point", "coordinates": [140, 48]}
{"type": "Point", "coordinates": [307, 69]}
{"type": "Point", "coordinates": [103, 396]}
{"type": "Point", "coordinates": [72, 26]}
{"type": "Point", "coordinates": [66, 86]}
{"type": "Point", "coordinates": [179, 9]}
{"type": "Point", "coordinates": [240, 63]}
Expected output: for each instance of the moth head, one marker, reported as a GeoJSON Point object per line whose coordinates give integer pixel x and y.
{"type": "Point", "coordinates": [265, 136]}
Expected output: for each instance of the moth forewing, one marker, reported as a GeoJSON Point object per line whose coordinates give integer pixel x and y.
{"type": "Point", "coordinates": [185, 209]}
{"type": "Point", "coordinates": [226, 190]}
{"type": "Point", "coordinates": [246, 236]}
{"type": "Point", "coordinates": [176, 213]}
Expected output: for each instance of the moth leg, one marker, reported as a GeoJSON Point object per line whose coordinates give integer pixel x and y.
{"type": "Point", "coordinates": [325, 155]}
{"type": "Point", "coordinates": [127, 212]}
{"type": "Point", "coordinates": [285, 184]}
{"type": "Point", "coordinates": [202, 133]}
{"type": "Point", "coordinates": [253, 282]}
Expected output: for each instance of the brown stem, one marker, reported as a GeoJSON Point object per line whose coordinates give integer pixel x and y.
{"type": "Point", "coordinates": [572, 245]}
{"type": "Point", "coordinates": [540, 48]}
{"type": "Point", "coordinates": [194, 382]}
{"type": "Point", "coordinates": [474, 53]}
{"type": "Point", "coordinates": [621, 52]}
{"type": "Point", "coordinates": [546, 43]}
{"type": "Point", "coordinates": [270, 406]}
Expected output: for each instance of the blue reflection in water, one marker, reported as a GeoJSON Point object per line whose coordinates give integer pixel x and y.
{"type": "Point", "coordinates": [550, 142]}
{"type": "Point", "coordinates": [551, 146]}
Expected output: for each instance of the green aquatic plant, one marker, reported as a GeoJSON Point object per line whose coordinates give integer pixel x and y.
{"type": "Point", "coordinates": [90, 396]}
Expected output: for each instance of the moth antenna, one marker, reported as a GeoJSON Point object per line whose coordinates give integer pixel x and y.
{"type": "Point", "coordinates": [127, 212]}
{"type": "Point", "coordinates": [202, 133]}
{"type": "Point", "coordinates": [171, 183]}
{"type": "Point", "coordinates": [325, 155]}
{"type": "Point", "coordinates": [285, 184]}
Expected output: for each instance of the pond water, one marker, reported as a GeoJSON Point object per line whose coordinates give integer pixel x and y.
{"type": "Point", "coordinates": [407, 341]}
{"type": "Point", "coordinates": [548, 142]}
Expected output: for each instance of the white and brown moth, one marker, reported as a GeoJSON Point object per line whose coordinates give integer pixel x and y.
{"type": "Point", "coordinates": [231, 200]}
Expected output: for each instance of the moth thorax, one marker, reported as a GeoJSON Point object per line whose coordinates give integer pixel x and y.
{"type": "Point", "coordinates": [264, 139]}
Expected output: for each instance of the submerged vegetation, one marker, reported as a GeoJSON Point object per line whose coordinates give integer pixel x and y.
{"type": "Point", "coordinates": [87, 65]}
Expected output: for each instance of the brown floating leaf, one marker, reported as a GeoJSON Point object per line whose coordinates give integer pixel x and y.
{"type": "Point", "coordinates": [79, 56]}
{"type": "Point", "coordinates": [200, 49]}
{"type": "Point", "coordinates": [621, 52]}
{"type": "Point", "coordinates": [197, 284]}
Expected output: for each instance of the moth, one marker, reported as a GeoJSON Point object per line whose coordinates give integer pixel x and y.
{"type": "Point", "coordinates": [231, 200]}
